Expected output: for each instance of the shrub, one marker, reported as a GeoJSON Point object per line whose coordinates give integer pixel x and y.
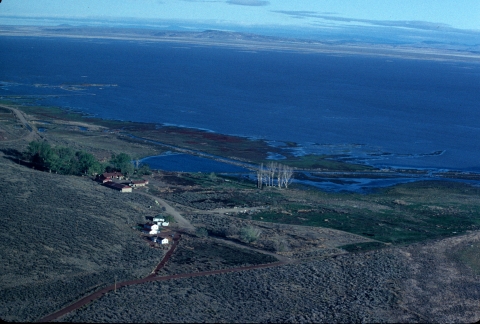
{"type": "Point", "coordinates": [201, 232]}
{"type": "Point", "coordinates": [281, 245]}
{"type": "Point", "coordinates": [230, 230]}
{"type": "Point", "coordinates": [250, 234]}
{"type": "Point", "coordinates": [169, 218]}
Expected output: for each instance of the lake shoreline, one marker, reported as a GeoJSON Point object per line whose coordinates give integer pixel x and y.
{"type": "Point", "coordinates": [322, 172]}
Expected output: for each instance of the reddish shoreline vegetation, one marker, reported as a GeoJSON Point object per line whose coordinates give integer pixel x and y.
{"type": "Point", "coordinates": [408, 253]}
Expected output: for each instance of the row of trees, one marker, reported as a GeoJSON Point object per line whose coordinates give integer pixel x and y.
{"type": "Point", "coordinates": [64, 160]}
{"type": "Point", "coordinates": [274, 175]}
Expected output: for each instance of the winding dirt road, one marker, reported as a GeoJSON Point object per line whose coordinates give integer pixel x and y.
{"type": "Point", "coordinates": [32, 131]}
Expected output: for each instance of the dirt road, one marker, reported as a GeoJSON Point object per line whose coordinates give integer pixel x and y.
{"type": "Point", "coordinates": [32, 131]}
{"type": "Point", "coordinates": [100, 293]}
{"type": "Point", "coordinates": [181, 221]}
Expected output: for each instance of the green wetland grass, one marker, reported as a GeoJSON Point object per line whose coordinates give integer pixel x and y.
{"type": "Point", "coordinates": [404, 214]}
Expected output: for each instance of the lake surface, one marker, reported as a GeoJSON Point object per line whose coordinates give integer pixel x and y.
{"type": "Point", "coordinates": [189, 163]}
{"type": "Point", "coordinates": [375, 110]}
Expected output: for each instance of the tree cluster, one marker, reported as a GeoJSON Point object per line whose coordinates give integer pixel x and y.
{"type": "Point", "coordinates": [122, 163]}
{"type": "Point", "coordinates": [274, 174]}
{"type": "Point", "coordinates": [64, 160]}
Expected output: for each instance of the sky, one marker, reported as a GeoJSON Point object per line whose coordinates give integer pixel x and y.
{"type": "Point", "coordinates": [322, 16]}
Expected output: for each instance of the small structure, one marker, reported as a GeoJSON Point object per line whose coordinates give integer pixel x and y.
{"type": "Point", "coordinates": [138, 183]}
{"type": "Point", "coordinates": [100, 179]}
{"type": "Point", "coordinates": [118, 186]}
{"type": "Point", "coordinates": [150, 231]}
{"type": "Point", "coordinates": [109, 176]}
{"type": "Point", "coordinates": [164, 237]}
{"type": "Point", "coordinates": [161, 240]}
{"type": "Point", "coordinates": [165, 223]}
{"type": "Point", "coordinates": [151, 226]}
{"type": "Point", "coordinates": [158, 219]}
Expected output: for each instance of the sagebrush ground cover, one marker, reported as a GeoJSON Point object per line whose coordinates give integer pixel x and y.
{"type": "Point", "coordinates": [331, 291]}
{"type": "Point", "coordinates": [413, 284]}
{"type": "Point", "coordinates": [65, 236]}
{"type": "Point", "coordinates": [196, 254]}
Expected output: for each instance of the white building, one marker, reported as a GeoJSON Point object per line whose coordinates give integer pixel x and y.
{"type": "Point", "coordinates": [151, 226]}
{"type": "Point", "coordinates": [158, 219]}
{"type": "Point", "coordinates": [150, 231]}
{"type": "Point", "coordinates": [160, 240]}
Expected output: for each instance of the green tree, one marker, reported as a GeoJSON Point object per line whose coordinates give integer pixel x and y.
{"type": "Point", "coordinates": [144, 170]}
{"type": "Point", "coordinates": [32, 150]}
{"type": "Point", "coordinates": [67, 162]}
{"type": "Point", "coordinates": [41, 153]}
{"type": "Point", "coordinates": [123, 163]}
{"type": "Point", "coordinates": [88, 164]}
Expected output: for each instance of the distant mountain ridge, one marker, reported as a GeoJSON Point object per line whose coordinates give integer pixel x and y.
{"type": "Point", "coordinates": [421, 49]}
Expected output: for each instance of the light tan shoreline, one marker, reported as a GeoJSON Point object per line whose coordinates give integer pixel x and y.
{"type": "Point", "coordinates": [244, 42]}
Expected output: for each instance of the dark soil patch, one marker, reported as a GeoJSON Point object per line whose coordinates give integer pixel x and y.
{"type": "Point", "coordinates": [176, 180]}
{"type": "Point", "coordinates": [363, 246]}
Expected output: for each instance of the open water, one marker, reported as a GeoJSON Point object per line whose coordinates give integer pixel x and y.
{"type": "Point", "coordinates": [375, 110]}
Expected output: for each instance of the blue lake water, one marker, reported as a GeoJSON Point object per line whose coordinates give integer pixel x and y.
{"type": "Point", "coordinates": [189, 163]}
{"type": "Point", "coordinates": [375, 110]}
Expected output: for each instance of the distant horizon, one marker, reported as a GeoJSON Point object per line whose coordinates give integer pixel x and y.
{"type": "Point", "coordinates": [462, 41]}
{"type": "Point", "coordinates": [440, 22]}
